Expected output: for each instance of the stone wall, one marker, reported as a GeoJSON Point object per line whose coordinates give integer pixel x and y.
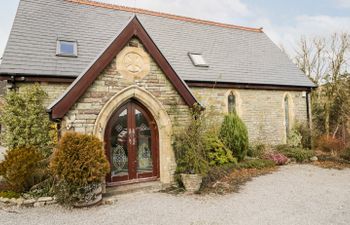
{"type": "Point", "coordinates": [83, 114]}
{"type": "Point", "coordinates": [261, 110]}
{"type": "Point", "coordinates": [53, 90]}
{"type": "Point", "coordinates": [132, 74]}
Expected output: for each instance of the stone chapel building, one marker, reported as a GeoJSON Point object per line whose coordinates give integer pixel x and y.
{"type": "Point", "coordinates": [130, 76]}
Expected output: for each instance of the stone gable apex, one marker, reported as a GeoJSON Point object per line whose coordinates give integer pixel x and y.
{"type": "Point", "coordinates": [134, 28]}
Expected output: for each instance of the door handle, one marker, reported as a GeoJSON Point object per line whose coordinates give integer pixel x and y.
{"type": "Point", "coordinates": [132, 138]}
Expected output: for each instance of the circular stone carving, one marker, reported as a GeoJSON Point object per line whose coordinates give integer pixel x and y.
{"type": "Point", "coordinates": [133, 63]}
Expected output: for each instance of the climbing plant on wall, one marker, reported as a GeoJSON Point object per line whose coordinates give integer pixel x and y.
{"type": "Point", "coordinates": [25, 121]}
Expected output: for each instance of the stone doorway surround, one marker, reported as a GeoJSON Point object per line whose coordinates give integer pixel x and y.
{"type": "Point", "coordinates": [166, 154]}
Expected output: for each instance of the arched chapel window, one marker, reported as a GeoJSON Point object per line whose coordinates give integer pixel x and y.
{"type": "Point", "coordinates": [286, 115]}
{"type": "Point", "coordinates": [231, 100]}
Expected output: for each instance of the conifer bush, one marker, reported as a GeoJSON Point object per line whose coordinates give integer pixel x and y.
{"type": "Point", "coordinates": [217, 152]}
{"type": "Point", "coordinates": [234, 135]}
{"type": "Point", "coordinates": [19, 168]}
{"type": "Point", "coordinates": [78, 164]}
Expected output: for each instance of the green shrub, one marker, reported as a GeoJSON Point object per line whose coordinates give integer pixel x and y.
{"type": "Point", "coordinates": [25, 120]}
{"type": "Point", "coordinates": [19, 168]}
{"type": "Point", "coordinates": [346, 154]}
{"type": "Point", "coordinates": [217, 152]}
{"type": "Point", "coordinates": [256, 151]}
{"type": "Point", "coordinates": [45, 187]}
{"type": "Point", "coordinates": [9, 194]}
{"type": "Point", "coordinates": [189, 148]}
{"type": "Point", "coordinates": [294, 138]}
{"type": "Point", "coordinates": [256, 164]}
{"type": "Point", "coordinates": [234, 135]}
{"type": "Point", "coordinates": [78, 163]}
{"type": "Point", "coordinates": [305, 133]}
{"type": "Point", "coordinates": [299, 154]}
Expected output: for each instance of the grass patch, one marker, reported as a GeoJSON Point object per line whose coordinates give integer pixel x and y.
{"type": "Point", "coordinates": [9, 194]}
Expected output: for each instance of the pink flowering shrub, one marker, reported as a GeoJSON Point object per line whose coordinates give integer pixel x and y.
{"type": "Point", "coordinates": [278, 158]}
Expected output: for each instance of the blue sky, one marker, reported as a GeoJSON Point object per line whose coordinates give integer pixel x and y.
{"type": "Point", "coordinates": [283, 21]}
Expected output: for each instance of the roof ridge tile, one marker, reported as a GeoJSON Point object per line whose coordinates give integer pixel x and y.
{"type": "Point", "coordinates": [164, 15]}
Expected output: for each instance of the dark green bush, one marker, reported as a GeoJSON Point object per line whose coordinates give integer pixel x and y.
{"type": "Point", "coordinates": [234, 135]}
{"type": "Point", "coordinates": [19, 168]}
{"type": "Point", "coordinates": [217, 152]}
{"type": "Point", "coordinates": [78, 163]}
{"type": "Point", "coordinates": [256, 164]}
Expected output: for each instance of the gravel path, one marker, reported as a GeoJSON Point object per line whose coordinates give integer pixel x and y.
{"type": "Point", "coordinates": [296, 194]}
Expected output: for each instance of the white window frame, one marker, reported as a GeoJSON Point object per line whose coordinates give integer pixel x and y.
{"type": "Point", "coordinates": [195, 63]}
{"type": "Point", "coordinates": [75, 48]}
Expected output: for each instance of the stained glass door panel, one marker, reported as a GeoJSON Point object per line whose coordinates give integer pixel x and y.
{"type": "Point", "coordinates": [132, 145]}
{"type": "Point", "coordinates": [143, 135]}
{"type": "Point", "coordinates": [119, 145]}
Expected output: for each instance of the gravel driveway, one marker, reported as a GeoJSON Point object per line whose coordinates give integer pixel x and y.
{"type": "Point", "coordinates": [296, 194]}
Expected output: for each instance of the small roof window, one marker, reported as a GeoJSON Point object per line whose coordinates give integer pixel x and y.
{"type": "Point", "coordinates": [197, 59]}
{"type": "Point", "coordinates": [67, 48]}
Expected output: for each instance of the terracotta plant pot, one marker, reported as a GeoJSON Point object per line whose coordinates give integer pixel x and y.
{"type": "Point", "coordinates": [192, 182]}
{"type": "Point", "coordinates": [98, 198]}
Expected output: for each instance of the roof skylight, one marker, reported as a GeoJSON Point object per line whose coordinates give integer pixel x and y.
{"type": "Point", "coordinates": [67, 48]}
{"type": "Point", "coordinates": [197, 59]}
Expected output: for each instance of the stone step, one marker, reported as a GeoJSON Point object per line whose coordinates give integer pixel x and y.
{"type": "Point", "coordinates": [151, 186]}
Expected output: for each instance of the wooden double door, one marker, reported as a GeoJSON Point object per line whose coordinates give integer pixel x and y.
{"type": "Point", "coordinates": [131, 144]}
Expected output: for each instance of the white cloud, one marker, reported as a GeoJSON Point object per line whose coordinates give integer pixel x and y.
{"type": "Point", "coordinates": [343, 3]}
{"type": "Point", "coordinates": [307, 26]}
{"type": "Point", "coordinates": [235, 11]}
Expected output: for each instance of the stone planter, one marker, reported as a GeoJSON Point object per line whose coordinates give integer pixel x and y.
{"type": "Point", "coordinates": [192, 182]}
{"type": "Point", "coordinates": [97, 198]}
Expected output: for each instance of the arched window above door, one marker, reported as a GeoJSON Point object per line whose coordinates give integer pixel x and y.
{"type": "Point", "coordinates": [231, 103]}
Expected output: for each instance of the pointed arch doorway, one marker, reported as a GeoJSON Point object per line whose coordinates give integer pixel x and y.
{"type": "Point", "coordinates": [131, 144]}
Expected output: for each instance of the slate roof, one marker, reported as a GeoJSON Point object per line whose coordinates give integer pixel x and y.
{"type": "Point", "coordinates": [234, 54]}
